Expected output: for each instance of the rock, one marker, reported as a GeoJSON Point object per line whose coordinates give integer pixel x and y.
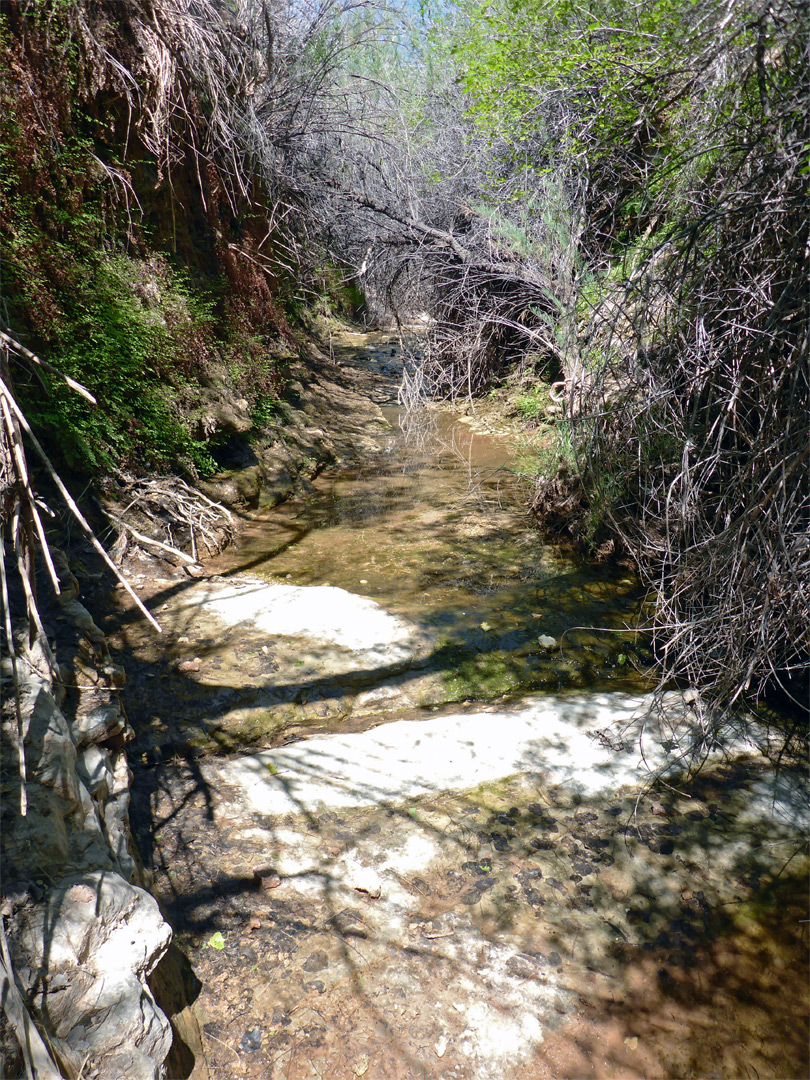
{"type": "Point", "coordinates": [83, 938]}
{"type": "Point", "coordinates": [266, 877]}
{"type": "Point", "coordinates": [176, 988]}
{"type": "Point", "coordinates": [251, 1041]}
{"type": "Point", "coordinates": [98, 724]}
{"type": "Point", "coordinates": [547, 642]}
{"type": "Point", "coordinates": [363, 879]}
{"type": "Point", "coordinates": [80, 617]}
{"type": "Point", "coordinates": [522, 967]}
{"type": "Point", "coordinates": [100, 937]}
{"type": "Point", "coordinates": [95, 770]}
{"type": "Point", "coordinates": [316, 962]}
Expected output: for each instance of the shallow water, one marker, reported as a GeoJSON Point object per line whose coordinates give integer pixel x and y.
{"type": "Point", "coordinates": [434, 529]}
{"type": "Point", "coordinates": [531, 928]}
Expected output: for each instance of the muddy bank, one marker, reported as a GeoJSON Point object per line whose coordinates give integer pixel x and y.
{"type": "Point", "coordinates": [329, 415]}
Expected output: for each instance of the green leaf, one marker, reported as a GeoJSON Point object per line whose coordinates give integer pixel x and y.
{"type": "Point", "coordinates": [217, 941]}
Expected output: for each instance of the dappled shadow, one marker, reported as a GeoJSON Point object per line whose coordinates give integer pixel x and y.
{"type": "Point", "coordinates": [347, 914]}
{"type": "Point", "coordinates": [524, 910]}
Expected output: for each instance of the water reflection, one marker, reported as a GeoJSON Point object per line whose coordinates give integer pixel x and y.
{"type": "Point", "coordinates": [433, 528]}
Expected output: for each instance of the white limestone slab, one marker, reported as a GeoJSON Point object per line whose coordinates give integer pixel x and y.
{"type": "Point", "coordinates": [321, 613]}
{"type": "Point", "coordinates": [554, 738]}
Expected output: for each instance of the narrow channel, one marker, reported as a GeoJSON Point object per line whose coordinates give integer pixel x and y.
{"type": "Point", "coordinates": [392, 781]}
{"type": "Point", "coordinates": [434, 527]}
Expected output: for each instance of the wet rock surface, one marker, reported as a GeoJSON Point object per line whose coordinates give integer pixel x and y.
{"type": "Point", "coordinates": [494, 933]}
{"type": "Point", "coordinates": [569, 921]}
{"type": "Point", "coordinates": [330, 415]}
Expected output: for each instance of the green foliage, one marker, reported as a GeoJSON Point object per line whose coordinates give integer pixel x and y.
{"type": "Point", "coordinates": [618, 94]}
{"type": "Point", "coordinates": [264, 411]}
{"type": "Point", "coordinates": [125, 333]}
{"type": "Point", "coordinates": [530, 403]}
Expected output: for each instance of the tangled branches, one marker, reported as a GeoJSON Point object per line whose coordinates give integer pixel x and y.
{"type": "Point", "coordinates": [694, 424]}
{"type": "Point", "coordinates": [22, 528]}
{"type": "Point", "coordinates": [180, 518]}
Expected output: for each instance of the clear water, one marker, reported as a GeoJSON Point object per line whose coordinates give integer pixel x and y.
{"type": "Point", "coordinates": [433, 527]}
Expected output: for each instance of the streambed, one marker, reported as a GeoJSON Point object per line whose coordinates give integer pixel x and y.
{"type": "Point", "coordinates": [458, 871]}
{"type": "Point", "coordinates": [426, 545]}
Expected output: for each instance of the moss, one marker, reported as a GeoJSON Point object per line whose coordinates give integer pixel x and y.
{"type": "Point", "coordinates": [240, 734]}
{"type": "Point", "coordinates": [131, 333]}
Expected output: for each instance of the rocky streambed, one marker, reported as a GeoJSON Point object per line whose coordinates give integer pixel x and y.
{"type": "Point", "coordinates": [393, 763]}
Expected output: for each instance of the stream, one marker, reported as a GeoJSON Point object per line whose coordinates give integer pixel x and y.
{"type": "Point", "coordinates": [392, 781]}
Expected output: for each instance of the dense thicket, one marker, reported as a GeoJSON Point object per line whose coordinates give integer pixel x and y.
{"type": "Point", "coordinates": [680, 133]}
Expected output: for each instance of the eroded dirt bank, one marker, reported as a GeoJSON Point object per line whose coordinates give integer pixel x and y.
{"type": "Point", "coordinates": [347, 916]}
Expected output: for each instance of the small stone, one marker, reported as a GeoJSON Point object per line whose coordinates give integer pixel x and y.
{"type": "Point", "coordinates": [251, 1041]}
{"type": "Point", "coordinates": [545, 641]}
{"type": "Point", "coordinates": [582, 866]}
{"type": "Point", "coordinates": [189, 665]}
{"type": "Point", "coordinates": [521, 967]}
{"type": "Point", "coordinates": [482, 884]}
{"type": "Point", "coordinates": [82, 894]}
{"type": "Point", "coordinates": [366, 880]}
{"type": "Point", "coordinates": [267, 877]}
{"type": "Point", "coordinates": [476, 867]}
{"type": "Point", "coordinates": [316, 962]}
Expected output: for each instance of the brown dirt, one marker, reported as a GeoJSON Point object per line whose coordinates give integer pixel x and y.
{"type": "Point", "coordinates": [559, 942]}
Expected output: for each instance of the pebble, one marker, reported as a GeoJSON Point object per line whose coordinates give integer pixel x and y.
{"type": "Point", "coordinates": [251, 1041]}
{"type": "Point", "coordinates": [266, 877]}
{"type": "Point", "coordinates": [316, 962]}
